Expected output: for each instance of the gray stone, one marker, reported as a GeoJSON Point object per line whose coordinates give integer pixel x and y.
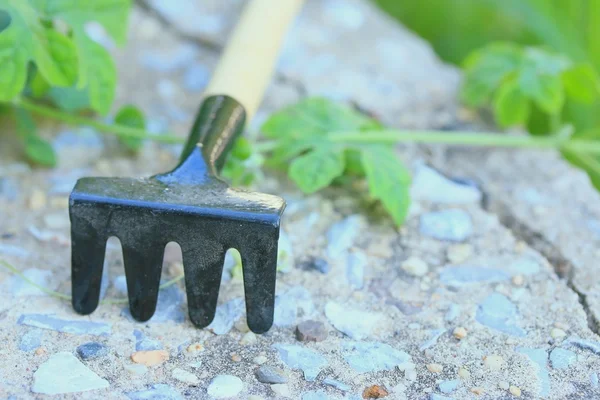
{"type": "Point", "coordinates": [143, 343]}
{"type": "Point", "coordinates": [21, 288]}
{"type": "Point", "coordinates": [196, 77]}
{"type": "Point", "coordinates": [499, 313]}
{"type": "Point", "coordinates": [539, 358]}
{"type": "Point", "coordinates": [353, 323]}
{"type": "Point", "coordinates": [82, 327]}
{"type": "Point", "coordinates": [430, 185]}
{"type": "Point", "coordinates": [317, 264]}
{"type": "Point", "coordinates": [225, 386]}
{"type": "Point", "coordinates": [226, 316]}
{"type": "Point", "coordinates": [465, 275]}
{"type": "Point", "coordinates": [453, 225]}
{"type": "Point", "coordinates": [562, 358]}
{"type": "Point", "coordinates": [266, 374]}
{"type": "Point", "coordinates": [92, 350]}
{"type": "Point", "coordinates": [589, 345]}
{"type": "Point", "coordinates": [159, 391]}
{"type": "Point", "coordinates": [336, 384]}
{"type": "Point", "coordinates": [342, 235]}
{"type": "Point", "coordinates": [31, 340]}
{"type": "Point", "coordinates": [295, 302]}
{"type": "Point", "coordinates": [120, 285]}
{"type": "Point", "coordinates": [311, 331]}
{"type": "Point", "coordinates": [315, 395]}
{"type": "Point", "coordinates": [452, 313]}
{"type": "Point", "coordinates": [435, 335]}
{"type": "Point", "coordinates": [356, 263]}
{"type": "Point", "coordinates": [64, 373]}
{"type": "Point", "coordinates": [448, 386]}
{"type": "Point", "coordinates": [298, 357]}
{"type": "Point", "coordinates": [170, 306]}
{"type": "Point", "coordinates": [373, 356]}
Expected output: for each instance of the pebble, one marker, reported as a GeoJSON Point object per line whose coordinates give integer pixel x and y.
{"type": "Point", "coordinates": [170, 306]}
{"type": "Point", "coordinates": [356, 263]}
{"type": "Point", "coordinates": [515, 391]}
{"type": "Point", "coordinates": [557, 333]}
{"type": "Point", "coordinates": [295, 302]}
{"type": "Point", "coordinates": [353, 323]}
{"type": "Point", "coordinates": [150, 357]}
{"type": "Point", "coordinates": [297, 357]}
{"type": "Point", "coordinates": [267, 374]}
{"type": "Point", "coordinates": [374, 392]}
{"type": "Point", "coordinates": [318, 264]}
{"type": "Point", "coordinates": [226, 316]}
{"type": "Point", "coordinates": [464, 373]}
{"type": "Point", "coordinates": [341, 235]}
{"type": "Point", "coordinates": [452, 313]}
{"type": "Point", "coordinates": [144, 343]}
{"type": "Point", "coordinates": [373, 356]}
{"type": "Point", "coordinates": [435, 335]}
{"type": "Point", "coordinates": [159, 391]}
{"type": "Point", "coordinates": [499, 313]}
{"type": "Point", "coordinates": [64, 373]}
{"type": "Point", "coordinates": [37, 200]}
{"type": "Point", "coordinates": [22, 288]}
{"type": "Point", "coordinates": [430, 185]}
{"type": "Point", "coordinates": [452, 225]}
{"type": "Point", "coordinates": [458, 276]}
{"type": "Point", "coordinates": [195, 348]}
{"type": "Point", "coordinates": [518, 280]}
{"type": "Point", "coordinates": [92, 350]}
{"type": "Point", "coordinates": [562, 358]}
{"type": "Point", "coordinates": [236, 357]}
{"type": "Point", "coordinates": [248, 339]}
{"type": "Point", "coordinates": [31, 340]}
{"type": "Point", "coordinates": [311, 331]}
{"type": "Point", "coordinates": [136, 369]}
{"type": "Point", "coordinates": [259, 360]}
{"type": "Point", "coordinates": [448, 386]}
{"type": "Point", "coordinates": [493, 362]}
{"type": "Point", "coordinates": [184, 376]}
{"type": "Point", "coordinates": [435, 368]}
{"type": "Point", "coordinates": [539, 358]}
{"type": "Point", "coordinates": [477, 390]}
{"type": "Point", "coordinates": [415, 266]}
{"type": "Point", "coordinates": [224, 386]}
{"type": "Point", "coordinates": [315, 395]}
{"type": "Point", "coordinates": [82, 327]}
{"type": "Point", "coordinates": [336, 384]}
{"type": "Point", "coordinates": [503, 385]}
{"type": "Point", "coordinates": [459, 333]}
{"type": "Point", "coordinates": [281, 389]}
{"type": "Point", "coordinates": [459, 253]}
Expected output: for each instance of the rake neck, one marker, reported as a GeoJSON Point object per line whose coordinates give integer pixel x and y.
{"type": "Point", "coordinates": [219, 123]}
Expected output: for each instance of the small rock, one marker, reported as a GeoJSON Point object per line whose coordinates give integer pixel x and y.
{"type": "Point", "coordinates": [435, 368]}
{"type": "Point", "coordinates": [539, 359]}
{"type": "Point", "coordinates": [120, 285]}
{"type": "Point", "coordinates": [464, 373]}
{"type": "Point", "coordinates": [434, 396]}
{"type": "Point", "coordinates": [429, 185]}
{"type": "Point", "coordinates": [136, 369]}
{"type": "Point", "coordinates": [373, 356]}
{"type": "Point", "coordinates": [226, 316]}
{"type": "Point", "coordinates": [253, 397]}
{"type": "Point", "coordinates": [184, 376]}
{"type": "Point", "coordinates": [463, 275]}
{"type": "Point", "coordinates": [150, 357]}
{"type": "Point", "coordinates": [374, 392]}
{"type": "Point", "coordinates": [224, 386]}
{"type": "Point", "coordinates": [459, 333]}
{"type": "Point", "coordinates": [195, 348]}
{"type": "Point", "coordinates": [159, 391]}
{"type": "Point", "coordinates": [64, 373]}
{"type": "Point", "coordinates": [503, 385]}
{"type": "Point", "coordinates": [499, 313]}
{"type": "Point", "coordinates": [518, 280]}
{"type": "Point", "coordinates": [477, 391]}
{"type": "Point", "coordinates": [341, 236]}
{"type": "Point", "coordinates": [236, 357]}
{"type": "Point", "coordinates": [448, 386]}
{"type": "Point", "coordinates": [459, 253]}
{"type": "Point", "coordinates": [37, 200]}
{"type": "Point", "coordinates": [298, 357]}
{"type": "Point", "coordinates": [557, 333]}
{"type": "Point", "coordinates": [453, 225]}
{"type": "Point", "coordinates": [259, 360]}
{"type": "Point", "coordinates": [493, 362]}
{"type": "Point", "coordinates": [311, 331]}
{"type": "Point", "coordinates": [317, 264]}
{"type": "Point", "coordinates": [515, 391]}
{"type": "Point", "coordinates": [336, 384]}
{"type": "Point", "coordinates": [562, 358]}
{"type": "Point", "coordinates": [144, 343]}
{"type": "Point", "coordinates": [248, 339]}
{"type": "Point", "coordinates": [40, 351]}
{"type": "Point", "coordinates": [266, 374]}
{"type": "Point", "coordinates": [356, 263]}
{"type": "Point", "coordinates": [415, 266]}
{"type": "Point", "coordinates": [92, 350]}
{"type": "Point", "coordinates": [435, 335]}
{"type": "Point", "coordinates": [354, 323]}
{"type": "Point", "coordinates": [14, 251]}
{"type": "Point", "coordinates": [82, 327]}
{"type": "Point", "coordinates": [281, 389]}
{"type": "Point", "coordinates": [295, 302]}
{"type": "Point", "coordinates": [31, 340]}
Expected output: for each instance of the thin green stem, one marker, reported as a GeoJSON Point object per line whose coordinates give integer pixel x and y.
{"type": "Point", "coordinates": [113, 129]}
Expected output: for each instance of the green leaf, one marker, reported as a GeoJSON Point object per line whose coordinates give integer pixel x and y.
{"type": "Point", "coordinates": [539, 122]}
{"type": "Point", "coordinates": [70, 98]}
{"type": "Point", "coordinates": [132, 117]}
{"type": "Point", "coordinates": [38, 85]}
{"type": "Point", "coordinates": [581, 83]}
{"type": "Point", "coordinates": [317, 169]}
{"type": "Point", "coordinates": [588, 162]}
{"type": "Point", "coordinates": [511, 107]}
{"type": "Point", "coordinates": [97, 72]}
{"type": "Point", "coordinates": [37, 150]}
{"type": "Point", "coordinates": [242, 150]}
{"type": "Point", "coordinates": [388, 179]}
{"type": "Point", "coordinates": [545, 90]}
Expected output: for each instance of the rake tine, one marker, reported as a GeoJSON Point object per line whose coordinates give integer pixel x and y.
{"type": "Point", "coordinates": [203, 267]}
{"type": "Point", "coordinates": [143, 264]}
{"type": "Point", "coordinates": [259, 264]}
{"type": "Point", "coordinates": [87, 261]}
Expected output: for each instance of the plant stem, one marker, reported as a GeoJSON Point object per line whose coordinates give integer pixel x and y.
{"type": "Point", "coordinates": [117, 130]}
{"type": "Point", "coordinates": [467, 139]}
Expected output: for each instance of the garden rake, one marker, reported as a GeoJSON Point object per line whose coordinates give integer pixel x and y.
{"type": "Point", "coordinates": [190, 205]}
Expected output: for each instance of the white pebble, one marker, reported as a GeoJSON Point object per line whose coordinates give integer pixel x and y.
{"type": "Point", "coordinates": [493, 362]}
{"type": "Point", "coordinates": [224, 386]}
{"type": "Point", "coordinates": [185, 376]}
{"type": "Point", "coordinates": [281, 389]}
{"type": "Point", "coordinates": [415, 266]}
